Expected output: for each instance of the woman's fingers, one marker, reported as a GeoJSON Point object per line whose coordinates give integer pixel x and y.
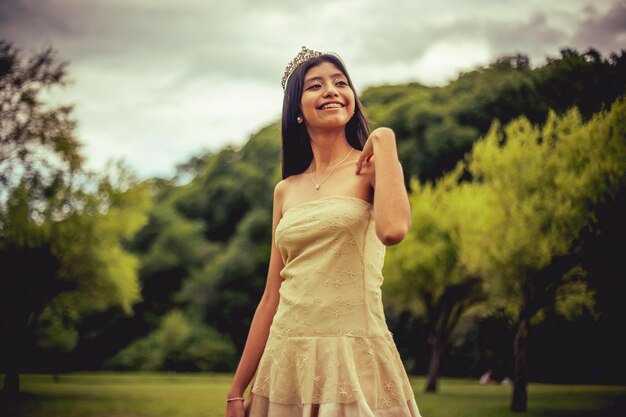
{"type": "Point", "coordinates": [364, 158]}
{"type": "Point", "coordinates": [359, 164]}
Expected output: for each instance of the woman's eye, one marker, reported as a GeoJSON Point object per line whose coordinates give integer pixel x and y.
{"type": "Point", "coordinates": [313, 86]}
{"type": "Point", "coordinates": [341, 82]}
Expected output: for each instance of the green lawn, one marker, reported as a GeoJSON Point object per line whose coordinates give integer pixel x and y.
{"type": "Point", "coordinates": [193, 395]}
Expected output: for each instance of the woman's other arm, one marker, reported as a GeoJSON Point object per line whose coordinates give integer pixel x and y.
{"type": "Point", "coordinates": [259, 328]}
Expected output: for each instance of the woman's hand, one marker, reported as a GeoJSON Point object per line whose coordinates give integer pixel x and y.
{"type": "Point", "coordinates": [235, 409]}
{"type": "Point", "coordinates": [381, 133]}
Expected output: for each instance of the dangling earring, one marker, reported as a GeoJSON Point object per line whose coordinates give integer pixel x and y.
{"type": "Point", "coordinates": [299, 119]}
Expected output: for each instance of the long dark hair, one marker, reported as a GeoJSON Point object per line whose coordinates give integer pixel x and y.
{"type": "Point", "coordinates": [296, 143]}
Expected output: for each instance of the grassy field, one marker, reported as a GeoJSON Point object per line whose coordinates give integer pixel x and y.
{"type": "Point", "coordinates": [184, 395]}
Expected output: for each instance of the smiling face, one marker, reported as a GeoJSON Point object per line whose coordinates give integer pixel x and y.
{"type": "Point", "coordinates": [327, 99]}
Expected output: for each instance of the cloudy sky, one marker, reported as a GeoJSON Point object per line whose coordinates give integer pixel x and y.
{"type": "Point", "coordinates": [157, 81]}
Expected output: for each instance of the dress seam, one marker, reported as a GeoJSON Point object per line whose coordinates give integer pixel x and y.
{"type": "Point", "coordinates": [363, 286]}
{"type": "Point", "coordinates": [383, 336]}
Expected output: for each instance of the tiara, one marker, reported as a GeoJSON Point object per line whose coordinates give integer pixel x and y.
{"type": "Point", "coordinates": [304, 55]}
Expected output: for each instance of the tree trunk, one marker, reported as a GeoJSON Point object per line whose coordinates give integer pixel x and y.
{"type": "Point", "coordinates": [436, 352]}
{"type": "Point", "coordinates": [520, 394]}
{"type": "Point", "coordinates": [29, 284]}
{"type": "Point", "coordinates": [13, 324]}
{"type": "Point", "coordinates": [11, 385]}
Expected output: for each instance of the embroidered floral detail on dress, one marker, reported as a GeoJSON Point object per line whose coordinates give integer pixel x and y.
{"type": "Point", "coordinates": [347, 217]}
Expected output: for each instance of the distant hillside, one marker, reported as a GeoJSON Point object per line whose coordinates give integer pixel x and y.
{"type": "Point", "coordinates": [437, 126]}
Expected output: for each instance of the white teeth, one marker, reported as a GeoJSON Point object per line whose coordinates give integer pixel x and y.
{"type": "Point", "coordinates": [331, 106]}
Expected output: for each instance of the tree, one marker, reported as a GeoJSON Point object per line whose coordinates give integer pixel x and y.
{"type": "Point", "coordinates": [77, 265]}
{"type": "Point", "coordinates": [30, 181]}
{"type": "Point", "coordinates": [62, 229]}
{"type": "Point", "coordinates": [436, 126]}
{"type": "Point", "coordinates": [425, 271]}
{"type": "Point", "coordinates": [27, 123]}
{"type": "Point", "coordinates": [541, 187]}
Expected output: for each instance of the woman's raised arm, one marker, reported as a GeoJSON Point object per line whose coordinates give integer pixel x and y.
{"type": "Point", "coordinates": [391, 203]}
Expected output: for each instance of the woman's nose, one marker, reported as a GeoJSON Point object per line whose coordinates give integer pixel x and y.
{"type": "Point", "coordinates": [331, 90]}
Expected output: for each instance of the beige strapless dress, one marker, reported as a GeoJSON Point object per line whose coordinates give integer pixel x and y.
{"type": "Point", "coordinates": [329, 352]}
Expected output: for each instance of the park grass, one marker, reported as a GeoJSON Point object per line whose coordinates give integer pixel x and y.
{"type": "Point", "coordinates": [202, 395]}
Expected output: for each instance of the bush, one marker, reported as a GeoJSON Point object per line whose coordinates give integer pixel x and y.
{"type": "Point", "coordinates": [178, 345]}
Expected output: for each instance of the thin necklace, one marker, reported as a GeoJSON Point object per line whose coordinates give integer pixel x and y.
{"type": "Point", "coordinates": [317, 186]}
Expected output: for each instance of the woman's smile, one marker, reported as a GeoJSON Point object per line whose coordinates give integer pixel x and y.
{"type": "Point", "coordinates": [331, 106]}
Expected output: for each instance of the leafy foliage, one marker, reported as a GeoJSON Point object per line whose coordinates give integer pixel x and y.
{"type": "Point", "coordinates": [177, 345]}
{"type": "Point", "coordinates": [542, 186]}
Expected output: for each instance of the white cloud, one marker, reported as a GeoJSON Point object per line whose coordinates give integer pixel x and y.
{"type": "Point", "coordinates": [443, 61]}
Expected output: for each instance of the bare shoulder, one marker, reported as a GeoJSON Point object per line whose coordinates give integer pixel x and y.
{"type": "Point", "coordinates": [283, 191]}
{"type": "Point", "coordinates": [279, 194]}
{"type": "Point", "coordinates": [279, 189]}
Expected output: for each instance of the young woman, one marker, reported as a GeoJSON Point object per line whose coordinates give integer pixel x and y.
{"type": "Point", "coordinates": [318, 344]}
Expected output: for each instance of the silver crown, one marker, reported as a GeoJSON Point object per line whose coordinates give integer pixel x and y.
{"type": "Point", "coordinates": [304, 55]}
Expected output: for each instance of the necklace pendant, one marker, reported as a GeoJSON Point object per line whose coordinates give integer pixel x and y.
{"type": "Point", "coordinates": [317, 186]}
